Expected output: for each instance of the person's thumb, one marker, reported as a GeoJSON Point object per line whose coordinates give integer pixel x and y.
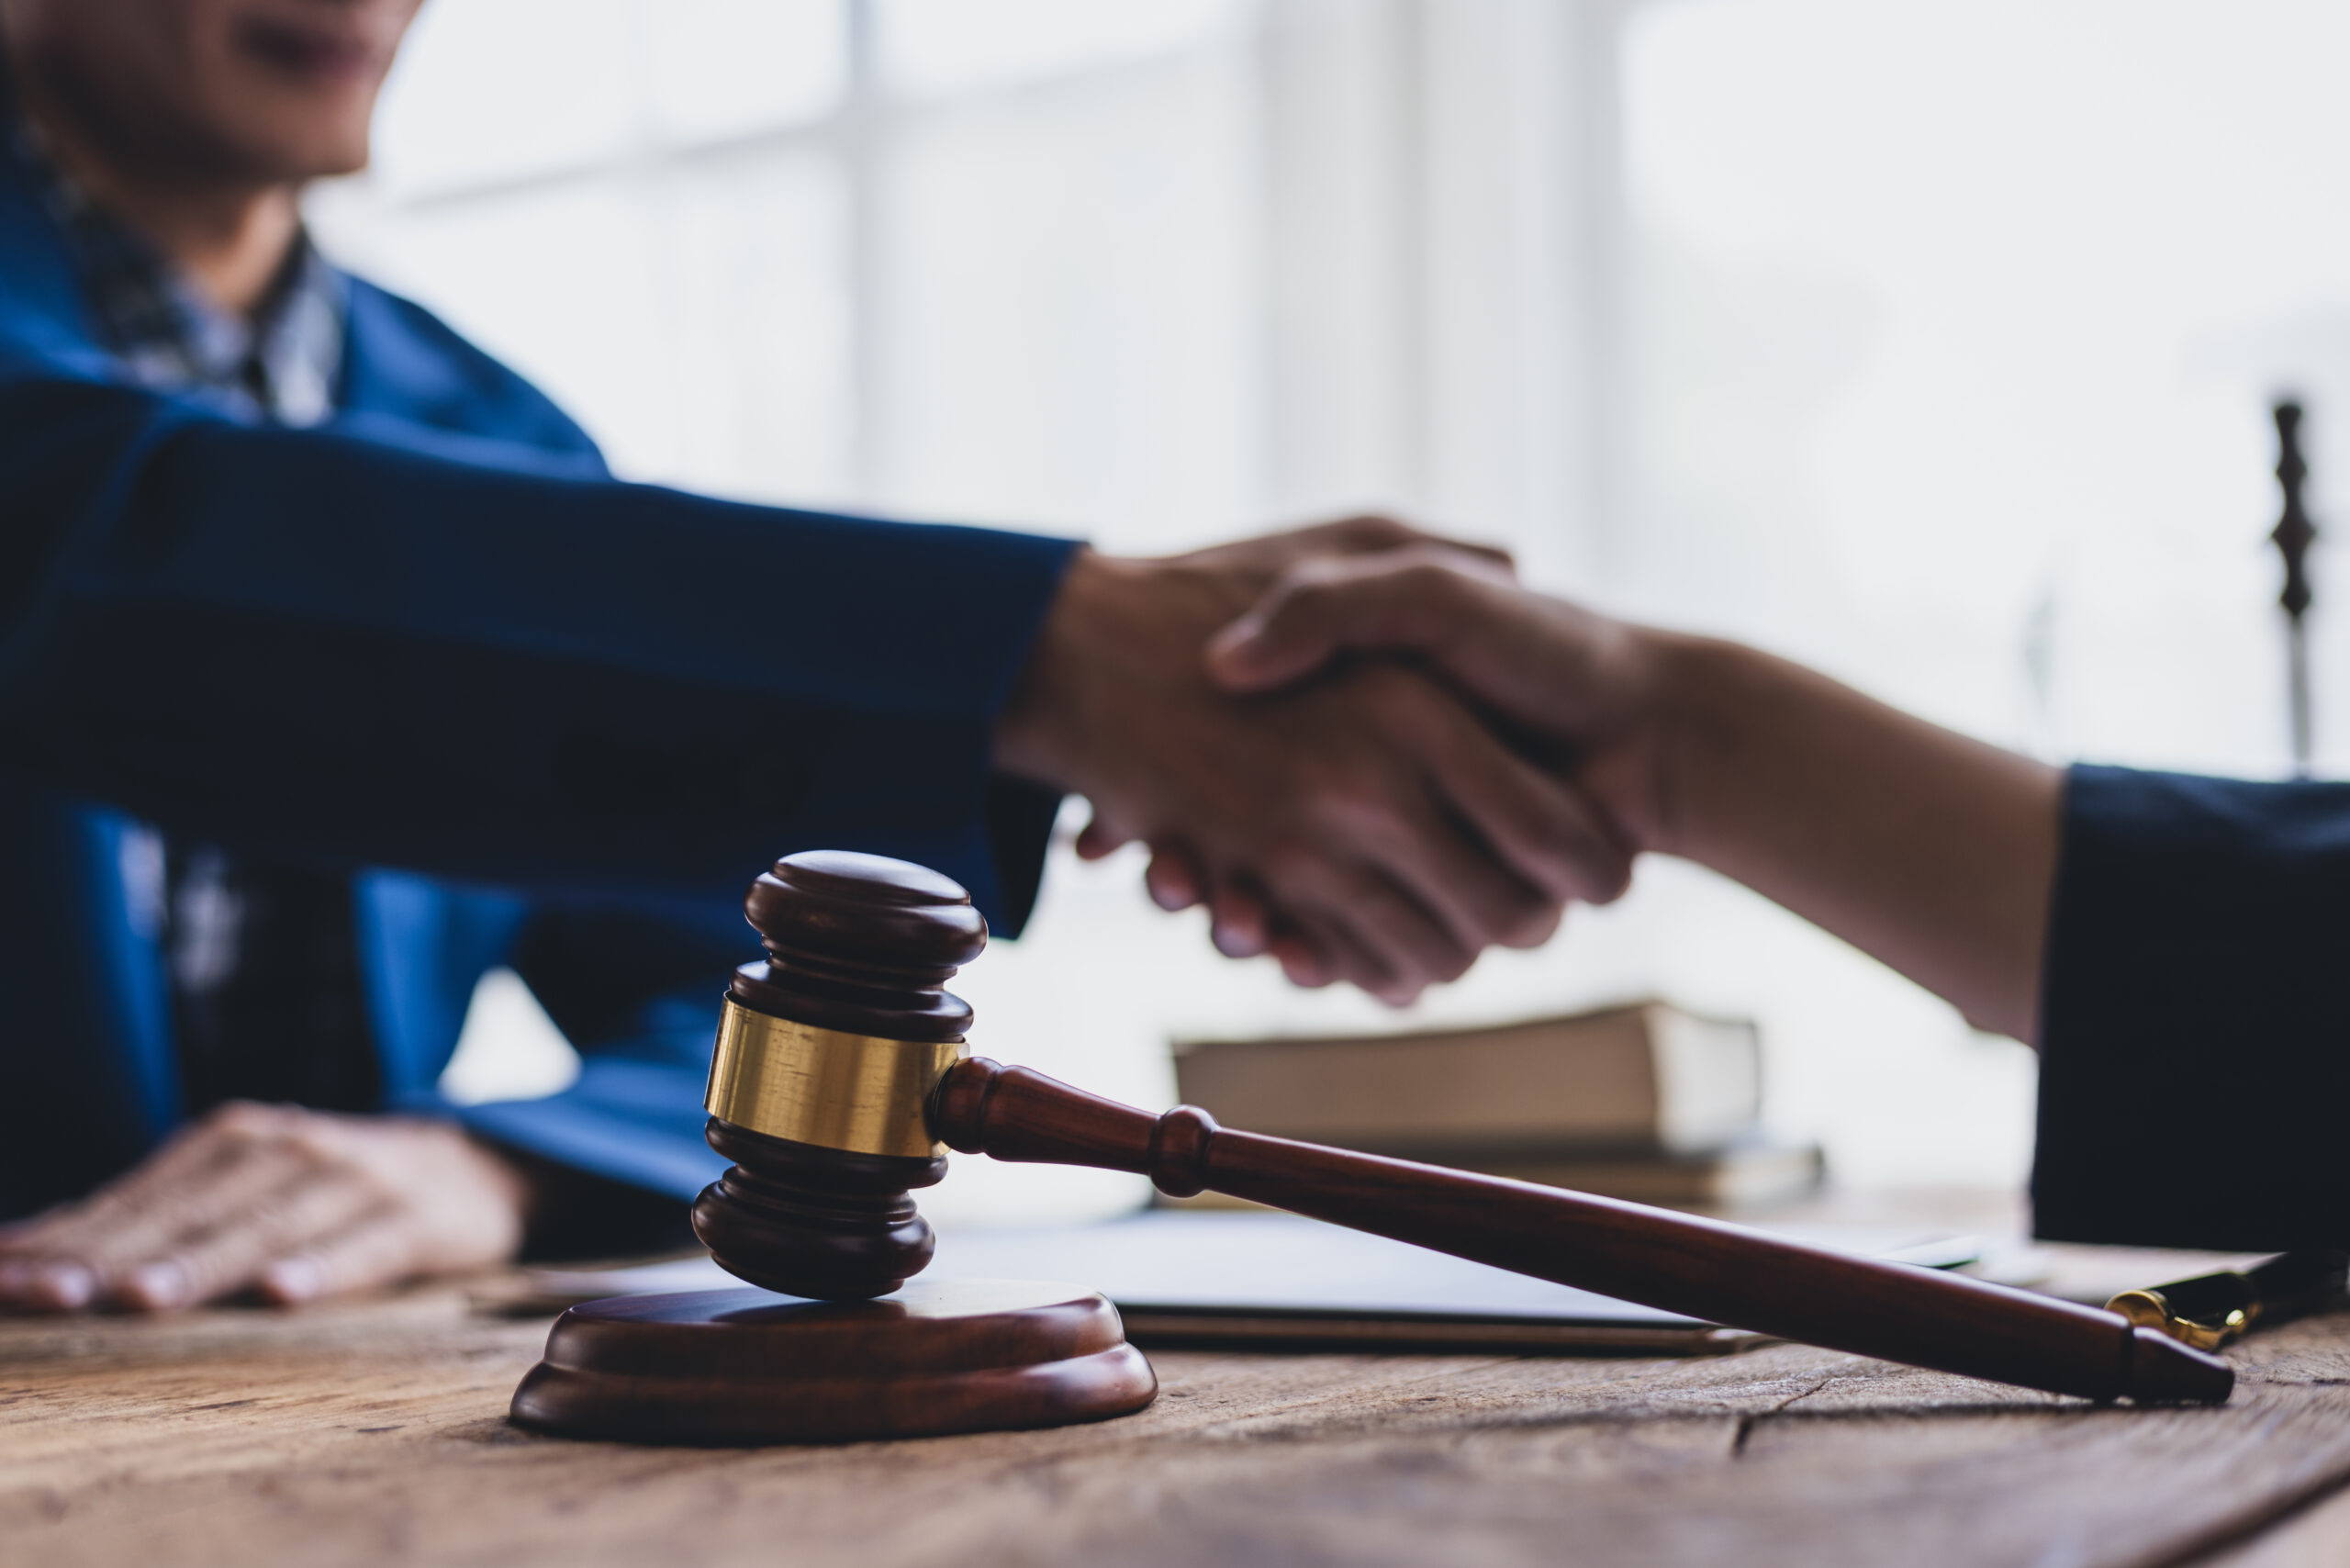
{"type": "Point", "coordinates": [1270, 646]}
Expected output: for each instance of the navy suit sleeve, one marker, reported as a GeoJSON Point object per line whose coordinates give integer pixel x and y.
{"type": "Point", "coordinates": [2195, 1031]}
{"type": "Point", "coordinates": [636, 991]}
{"type": "Point", "coordinates": [392, 648]}
{"type": "Point", "coordinates": [634, 1117]}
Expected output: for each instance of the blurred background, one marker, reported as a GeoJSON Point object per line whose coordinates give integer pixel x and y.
{"type": "Point", "coordinates": [1929, 342]}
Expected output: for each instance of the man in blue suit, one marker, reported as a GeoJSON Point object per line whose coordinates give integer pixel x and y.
{"type": "Point", "coordinates": [334, 669]}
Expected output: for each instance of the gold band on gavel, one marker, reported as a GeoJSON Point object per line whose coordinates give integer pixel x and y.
{"type": "Point", "coordinates": [859, 1092]}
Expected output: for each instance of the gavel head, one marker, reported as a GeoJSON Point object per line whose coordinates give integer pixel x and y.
{"type": "Point", "coordinates": [827, 1052]}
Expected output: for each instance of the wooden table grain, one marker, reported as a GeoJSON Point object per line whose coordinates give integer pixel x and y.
{"type": "Point", "coordinates": [375, 1433]}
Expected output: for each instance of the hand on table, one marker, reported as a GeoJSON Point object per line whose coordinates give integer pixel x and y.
{"type": "Point", "coordinates": [1371, 826]}
{"type": "Point", "coordinates": [291, 1202]}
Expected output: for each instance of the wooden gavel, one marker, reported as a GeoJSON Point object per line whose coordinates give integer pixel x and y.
{"type": "Point", "coordinates": [839, 1074]}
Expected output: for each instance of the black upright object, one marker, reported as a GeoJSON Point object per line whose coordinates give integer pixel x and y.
{"type": "Point", "coordinates": [2294, 534]}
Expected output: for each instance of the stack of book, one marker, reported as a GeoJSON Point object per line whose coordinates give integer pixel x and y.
{"type": "Point", "coordinates": [1644, 1102]}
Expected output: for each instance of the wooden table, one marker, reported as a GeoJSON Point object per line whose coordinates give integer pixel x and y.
{"type": "Point", "coordinates": [375, 1433]}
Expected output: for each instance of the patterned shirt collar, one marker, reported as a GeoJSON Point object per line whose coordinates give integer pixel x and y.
{"type": "Point", "coordinates": [282, 367]}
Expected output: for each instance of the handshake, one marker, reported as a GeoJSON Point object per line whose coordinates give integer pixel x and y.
{"type": "Point", "coordinates": [1366, 750]}
{"type": "Point", "coordinates": [1373, 755]}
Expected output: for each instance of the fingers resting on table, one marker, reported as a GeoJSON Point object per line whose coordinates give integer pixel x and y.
{"type": "Point", "coordinates": [274, 1201]}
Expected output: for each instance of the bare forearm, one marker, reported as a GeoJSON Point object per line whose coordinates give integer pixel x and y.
{"type": "Point", "coordinates": [1930, 851]}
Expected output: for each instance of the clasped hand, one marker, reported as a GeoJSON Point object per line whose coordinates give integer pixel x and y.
{"type": "Point", "coordinates": [1360, 819]}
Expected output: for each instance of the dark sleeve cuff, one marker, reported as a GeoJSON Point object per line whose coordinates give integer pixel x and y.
{"type": "Point", "coordinates": [1020, 818]}
{"type": "Point", "coordinates": [2195, 1027]}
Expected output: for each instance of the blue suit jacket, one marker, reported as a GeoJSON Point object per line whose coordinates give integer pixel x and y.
{"type": "Point", "coordinates": [579, 715]}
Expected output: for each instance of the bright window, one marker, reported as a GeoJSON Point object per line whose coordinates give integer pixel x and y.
{"type": "Point", "coordinates": [1929, 342]}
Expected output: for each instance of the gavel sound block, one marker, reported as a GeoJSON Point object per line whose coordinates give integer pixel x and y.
{"type": "Point", "coordinates": [827, 1052]}
{"type": "Point", "coordinates": [838, 1076]}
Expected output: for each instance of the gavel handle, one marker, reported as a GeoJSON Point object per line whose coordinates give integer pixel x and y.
{"type": "Point", "coordinates": [1699, 1268]}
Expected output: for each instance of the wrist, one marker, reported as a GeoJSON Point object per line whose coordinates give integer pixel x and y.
{"type": "Point", "coordinates": [1681, 715]}
{"type": "Point", "coordinates": [519, 1180]}
{"type": "Point", "coordinates": [1038, 733]}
